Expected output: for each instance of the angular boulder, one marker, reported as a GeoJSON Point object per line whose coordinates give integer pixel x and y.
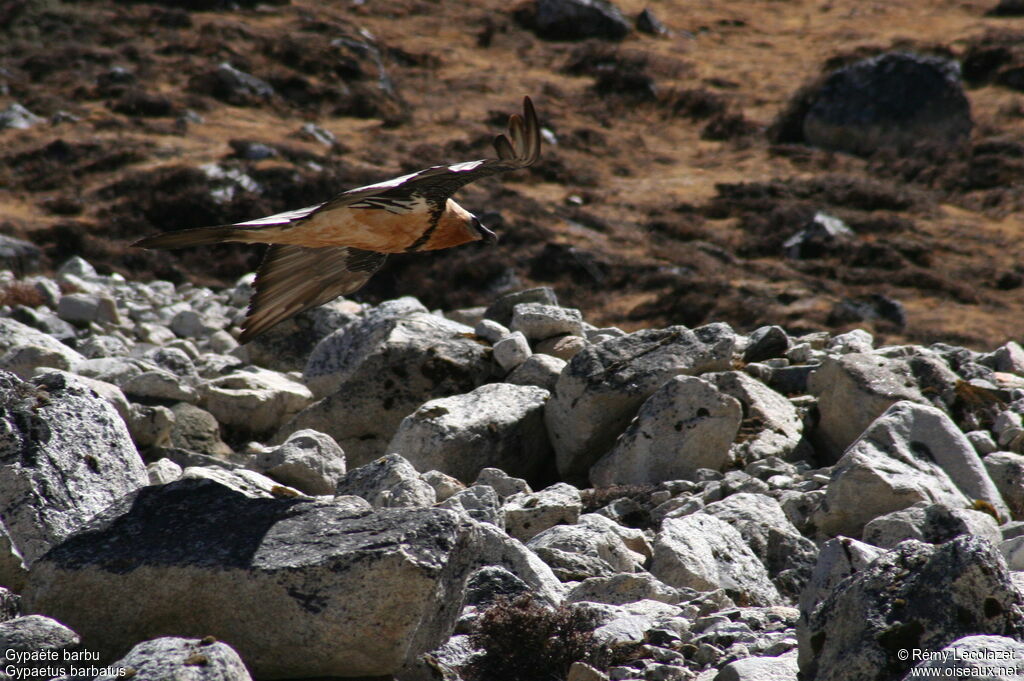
{"type": "Point", "coordinates": [603, 386]}
{"type": "Point", "coordinates": [65, 454]}
{"type": "Point", "coordinates": [300, 588]}
{"type": "Point", "coordinates": [498, 425]}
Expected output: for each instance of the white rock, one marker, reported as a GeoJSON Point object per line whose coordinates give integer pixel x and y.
{"type": "Point", "coordinates": [309, 461]}
{"type": "Point", "coordinates": [163, 471]}
{"type": "Point", "coordinates": [375, 372]}
{"type": "Point", "coordinates": [857, 340]}
{"type": "Point", "coordinates": [909, 454]}
{"type": "Point", "coordinates": [502, 483]}
{"type": "Point", "coordinates": [982, 442]}
{"type": "Point", "coordinates": [685, 425]}
{"type": "Point", "coordinates": [594, 536]}
{"type": "Point", "coordinates": [150, 425]}
{"type": "Point", "coordinates": [23, 361]}
{"type": "Point", "coordinates": [444, 485]}
{"type": "Point", "coordinates": [479, 502]}
{"type": "Point", "coordinates": [78, 267]}
{"type": "Point", "coordinates": [254, 400]}
{"type": "Point", "coordinates": [490, 330]}
{"type": "Point", "coordinates": [158, 384]}
{"type": "Point", "coordinates": [855, 389]}
{"type": "Point", "coordinates": [974, 657]}
{"type": "Point", "coordinates": [511, 351]}
{"type": "Point", "coordinates": [702, 552]}
{"type": "Point", "coordinates": [539, 369]}
{"type": "Point", "coordinates": [32, 633]}
{"type": "Point", "coordinates": [389, 482]}
{"type": "Point", "coordinates": [781, 668]}
{"type": "Point", "coordinates": [933, 523]}
{"type": "Point", "coordinates": [1013, 552]}
{"type": "Point", "coordinates": [83, 308]}
{"type": "Point", "coordinates": [1006, 470]}
{"type": "Point", "coordinates": [250, 483]}
{"type": "Point", "coordinates": [601, 389]}
{"type": "Point", "coordinates": [838, 559]}
{"type": "Point", "coordinates": [765, 528]}
{"type": "Point", "coordinates": [527, 515]}
{"type": "Point", "coordinates": [562, 347]}
{"type": "Point", "coordinates": [538, 322]}
{"type": "Point", "coordinates": [780, 426]}
{"type": "Point", "coordinates": [67, 456]}
{"type": "Point", "coordinates": [497, 425]}
{"type": "Point", "coordinates": [623, 588]}
{"type": "Point", "coordinates": [14, 335]}
{"type": "Point", "coordinates": [193, 324]}
{"type": "Point", "coordinates": [1010, 358]}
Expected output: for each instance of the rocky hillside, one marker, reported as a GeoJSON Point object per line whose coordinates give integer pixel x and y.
{"type": "Point", "coordinates": [504, 492]}
{"type": "Point", "coordinates": [676, 168]}
{"type": "Point", "coordinates": [735, 397]}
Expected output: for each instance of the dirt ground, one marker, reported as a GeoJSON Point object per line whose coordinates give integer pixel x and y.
{"type": "Point", "coordinates": [666, 198]}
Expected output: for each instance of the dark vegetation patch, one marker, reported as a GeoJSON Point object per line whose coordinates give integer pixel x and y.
{"type": "Point", "coordinates": [523, 640]}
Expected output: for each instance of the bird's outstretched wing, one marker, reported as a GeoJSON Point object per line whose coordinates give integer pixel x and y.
{"type": "Point", "coordinates": [518, 148]}
{"type": "Point", "coordinates": [293, 278]}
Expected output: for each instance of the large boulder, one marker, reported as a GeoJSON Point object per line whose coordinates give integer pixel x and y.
{"type": "Point", "coordinates": [916, 597]}
{"type": "Point", "coordinates": [893, 101]}
{"type": "Point", "coordinates": [498, 425]}
{"type": "Point", "coordinates": [771, 427]}
{"type": "Point", "coordinates": [760, 520]}
{"type": "Point", "coordinates": [853, 390]}
{"type": "Point", "coordinates": [911, 453]}
{"type": "Point", "coordinates": [300, 588]}
{"type": "Point", "coordinates": [375, 372]}
{"type": "Point", "coordinates": [685, 425]}
{"type": "Point", "coordinates": [701, 552]}
{"type": "Point", "coordinates": [603, 386]}
{"type": "Point", "coordinates": [65, 454]}
{"type": "Point", "coordinates": [574, 19]}
{"type": "Point", "coordinates": [254, 401]}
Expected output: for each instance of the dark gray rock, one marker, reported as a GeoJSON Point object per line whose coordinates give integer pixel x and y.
{"type": "Point", "coordinates": [893, 101]}
{"type": "Point", "coordinates": [575, 20]}
{"type": "Point", "coordinates": [20, 256]}
{"type": "Point", "coordinates": [300, 588]}
{"type": "Point", "coordinates": [765, 343]}
{"type": "Point", "coordinates": [501, 309]}
{"type": "Point", "coordinates": [647, 22]}
{"type": "Point", "coordinates": [490, 583]}
{"type": "Point", "coordinates": [231, 85]}
{"type": "Point", "coordinates": [917, 596]}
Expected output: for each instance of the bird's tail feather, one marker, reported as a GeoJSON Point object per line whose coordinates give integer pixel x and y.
{"type": "Point", "coordinates": [200, 236]}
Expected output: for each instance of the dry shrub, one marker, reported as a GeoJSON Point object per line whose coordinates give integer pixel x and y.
{"type": "Point", "coordinates": [20, 293]}
{"type": "Point", "coordinates": [525, 641]}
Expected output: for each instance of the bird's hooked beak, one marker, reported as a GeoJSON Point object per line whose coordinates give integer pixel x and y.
{"type": "Point", "coordinates": [485, 234]}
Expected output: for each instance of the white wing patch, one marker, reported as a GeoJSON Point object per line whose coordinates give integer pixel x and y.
{"type": "Point", "coordinates": [463, 167]}
{"type": "Point", "coordinates": [281, 218]}
{"type": "Point", "coordinates": [387, 184]}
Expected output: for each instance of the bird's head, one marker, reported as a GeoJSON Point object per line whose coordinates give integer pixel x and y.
{"type": "Point", "coordinates": [483, 233]}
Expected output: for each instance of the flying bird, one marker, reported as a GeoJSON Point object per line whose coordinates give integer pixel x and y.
{"type": "Point", "coordinates": [320, 252]}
